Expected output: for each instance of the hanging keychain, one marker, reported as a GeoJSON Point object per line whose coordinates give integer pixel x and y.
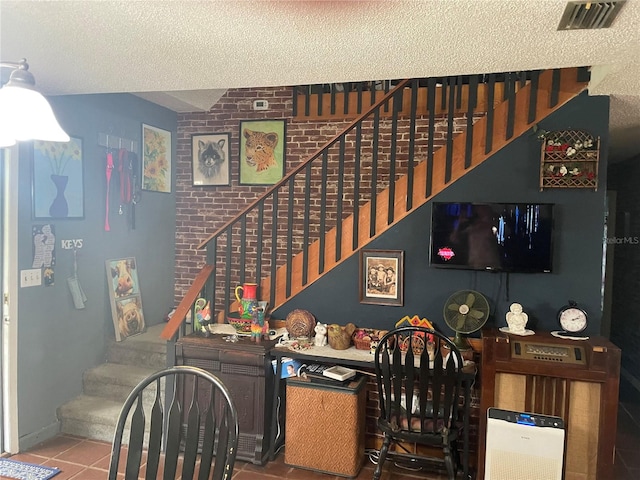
{"type": "Point", "coordinates": [79, 298]}
{"type": "Point", "coordinates": [108, 172]}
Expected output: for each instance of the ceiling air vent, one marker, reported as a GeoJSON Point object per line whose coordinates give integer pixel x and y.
{"type": "Point", "coordinates": [589, 15]}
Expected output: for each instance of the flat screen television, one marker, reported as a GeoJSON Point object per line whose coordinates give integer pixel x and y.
{"type": "Point", "coordinates": [501, 237]}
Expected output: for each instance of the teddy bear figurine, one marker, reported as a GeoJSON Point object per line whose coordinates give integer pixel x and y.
{"type": "Point", "coordinates": [320, 340]}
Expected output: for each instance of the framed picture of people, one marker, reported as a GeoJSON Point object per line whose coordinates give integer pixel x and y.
{"type": "Point", "coordinates": [382, 277]}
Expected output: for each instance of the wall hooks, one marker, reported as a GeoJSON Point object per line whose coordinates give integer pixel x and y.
{"type": "Point", "coordinates": [109, 140]}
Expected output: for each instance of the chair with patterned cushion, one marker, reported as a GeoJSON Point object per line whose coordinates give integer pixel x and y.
{"type": "Point", "coordinates": [419, 385]}
{"type": "Point", "coordinates": [189, 441]}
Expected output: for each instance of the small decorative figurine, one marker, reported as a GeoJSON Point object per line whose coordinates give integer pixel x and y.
{"type": "Point", "coordinates": [284, 337]}
{"type": "Point", "coordinates": [256, 329]}
{"type": "Point", "coordinates": [257, 322]}
{"type": "Point", "coordinates": [340, 337]}
{"type": "Point", "coordinates": [320, 340]}
{"type": "Point", "coordinates": [202, 317]}
{"type": "Point", "coordinates": [262, 318]}
{"type": "Point", "coordinates": [516, 321]}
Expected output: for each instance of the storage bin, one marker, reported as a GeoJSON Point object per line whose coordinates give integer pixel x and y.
{"type": "Point", "coordinates": [325, 426]}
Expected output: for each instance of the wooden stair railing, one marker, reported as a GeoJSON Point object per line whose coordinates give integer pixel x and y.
{"type": "Point", "coordinates": [348, 104]}
{"type": "Point", "coordinates": [184, 309]}
{"type": "Point", "coordinates": [388, 184]}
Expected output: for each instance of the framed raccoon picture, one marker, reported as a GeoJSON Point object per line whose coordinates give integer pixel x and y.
{"type": "Point", "coordinates": [262, 148]}
{"type": "Point", "coordinates": [210, 159]}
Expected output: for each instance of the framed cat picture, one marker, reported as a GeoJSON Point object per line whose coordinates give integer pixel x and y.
{"type": "Point", "coordinates": [262, 151]}
{"type": "Point", "coordinates": [210, 153]}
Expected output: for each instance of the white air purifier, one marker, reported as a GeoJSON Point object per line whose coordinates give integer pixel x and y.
{"type": "Point", "coordinates": [523, 446]}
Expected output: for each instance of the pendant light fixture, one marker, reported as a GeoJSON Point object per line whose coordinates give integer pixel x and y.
{"type": "Point", "coordinates": [24, 112]}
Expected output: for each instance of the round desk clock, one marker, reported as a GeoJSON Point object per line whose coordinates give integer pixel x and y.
{"type": "Point", "coordinates": [571, 318]}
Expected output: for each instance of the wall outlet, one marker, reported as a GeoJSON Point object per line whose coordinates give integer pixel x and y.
{"type": "Point", "coordinates": [30, 278]}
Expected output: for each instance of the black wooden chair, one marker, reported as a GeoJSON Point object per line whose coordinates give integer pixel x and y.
{"type": "Point", "coordinates": [203, 436]}
{"type": "Point", "coordinates": [419, 375]}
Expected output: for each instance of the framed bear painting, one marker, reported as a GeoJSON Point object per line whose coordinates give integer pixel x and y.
{"type": "Point", "coordinates": [262, 151]}
{"type": "Point", "coordinates": [124, 293]}
{"type": "Point", "coordinates": [210, 159]}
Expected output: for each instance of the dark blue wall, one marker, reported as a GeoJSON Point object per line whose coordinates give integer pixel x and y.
{"type": "Point", "coordinates": [56, 342]}
{"type": "Point", "coordinates": [512, 175]}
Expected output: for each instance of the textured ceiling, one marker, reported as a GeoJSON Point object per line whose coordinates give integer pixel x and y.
{"type": "Point", "coordinates": [184, 54]}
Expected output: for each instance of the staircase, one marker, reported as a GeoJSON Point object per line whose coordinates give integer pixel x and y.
{"type": "Point", "coordinates": [94, 413]}
{"type": "Point", "coordinates": [370, 176]}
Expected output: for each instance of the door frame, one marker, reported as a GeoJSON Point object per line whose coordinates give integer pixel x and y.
{"type": "Point", "coordinates": [9, 332]}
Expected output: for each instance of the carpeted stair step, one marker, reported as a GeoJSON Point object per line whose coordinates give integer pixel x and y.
{"type": "Point", "coordinates": [94, 413]}
{"type": "Point", "coordinates": [114, 381]}
{"type": "Point", "coordinates": [146, 350]}
{"type": "Point", "coordinates": [95, 418]}
{"type": "Point", "coordinates": [90, 417]}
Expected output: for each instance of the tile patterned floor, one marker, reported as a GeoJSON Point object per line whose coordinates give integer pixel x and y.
{"type": "Point", "coordinates": [82, 459]}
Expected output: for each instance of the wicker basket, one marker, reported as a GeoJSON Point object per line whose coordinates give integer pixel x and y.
{"type": "Point", "coordinates": [300, 323]}
{"type": "Point", "coordinates": [362, 337]}
{"type": "Point", "coordinates": [325, 427]}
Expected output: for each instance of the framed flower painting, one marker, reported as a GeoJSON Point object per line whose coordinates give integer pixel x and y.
{"type": "Point", "coordinates": [58, 180]}
{"type": "Point", "coordinates": [156, 159]}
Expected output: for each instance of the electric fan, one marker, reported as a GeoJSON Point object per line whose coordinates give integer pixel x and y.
{"type": "Point", "coordinates": [465, 312]}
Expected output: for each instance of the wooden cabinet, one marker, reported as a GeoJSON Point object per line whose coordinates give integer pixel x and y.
{"type": "Point", "coordinates": [245, 368]}
{"type": "Point", "coordinates": [569, 159]}
{"type": "Point", "coordinates": [577, 380]}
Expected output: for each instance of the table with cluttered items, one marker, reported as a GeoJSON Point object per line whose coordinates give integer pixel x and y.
{"type": "Point", "coordinates": [310, 356]}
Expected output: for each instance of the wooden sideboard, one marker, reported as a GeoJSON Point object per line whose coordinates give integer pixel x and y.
{"type": "Point", "coordinates": [577, 380]}
{"type": "Point", "coordinates": [245, 368]}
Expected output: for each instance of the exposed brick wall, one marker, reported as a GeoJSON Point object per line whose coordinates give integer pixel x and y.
{"type": "Point", "coordinates": [203, 210]}
{"type": "Point", "coordinates": [625, 317]}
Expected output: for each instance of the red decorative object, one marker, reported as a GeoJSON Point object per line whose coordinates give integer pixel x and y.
{"type": "Point", "coordinates": [362, 337]}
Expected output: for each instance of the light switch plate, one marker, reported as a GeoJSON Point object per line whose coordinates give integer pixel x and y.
{"type": "Point", "coordinates": [30, 277]}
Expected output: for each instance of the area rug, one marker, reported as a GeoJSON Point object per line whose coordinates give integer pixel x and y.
{"type": "Point", "coordinates": [25, 471]}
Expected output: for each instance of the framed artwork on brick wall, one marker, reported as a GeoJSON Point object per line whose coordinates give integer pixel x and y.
{"type": "Point", "coordinates": [210, 159]}
{"type": "Point", "coordinates": [262, 151]}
